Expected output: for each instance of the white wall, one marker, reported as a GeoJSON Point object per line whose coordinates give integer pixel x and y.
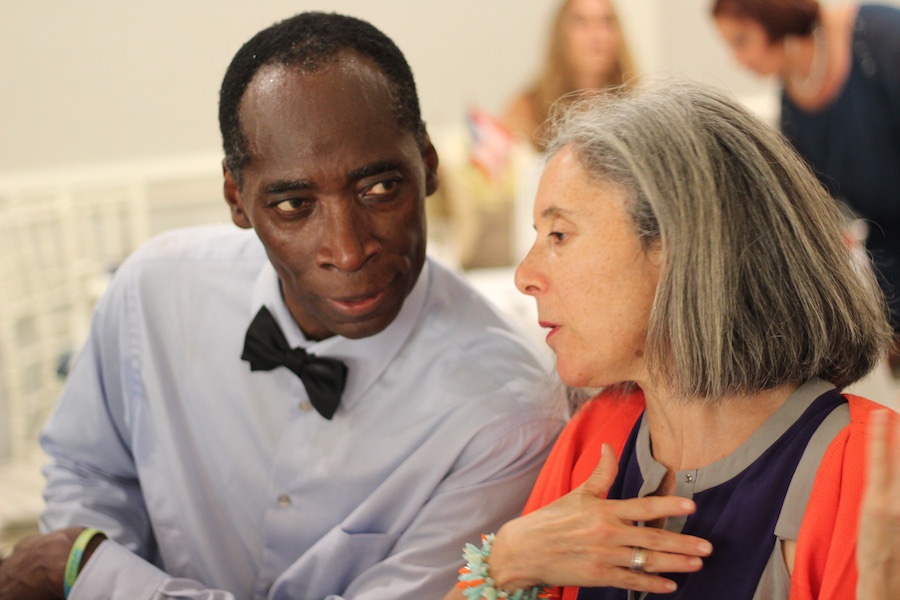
{"type": "Point", "coordinates": [91, 81]}
{"type": "Point", "coordinates": [104, 80]}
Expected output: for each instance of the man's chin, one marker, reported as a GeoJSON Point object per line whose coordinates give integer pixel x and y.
{"type": "Point", "coordinates": [357, 331]}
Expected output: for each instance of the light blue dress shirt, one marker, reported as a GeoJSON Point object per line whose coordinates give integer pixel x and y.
{"type": "Point", "coordinates": [215, 482]}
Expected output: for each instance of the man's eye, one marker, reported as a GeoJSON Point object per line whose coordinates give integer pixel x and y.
{"type": "Point", "coordinates": [292, 205]}
{"type": "Point", "coordinates": [382, 188]}
{"type": "Point", "coordinates": [557, 236]}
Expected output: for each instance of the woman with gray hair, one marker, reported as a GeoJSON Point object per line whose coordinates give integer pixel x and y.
{"type": "Point", "coordinates": [689, 265]}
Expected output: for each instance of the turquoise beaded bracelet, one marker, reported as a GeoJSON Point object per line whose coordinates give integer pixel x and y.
{"type": "Point", "coordinates": [476, 584]}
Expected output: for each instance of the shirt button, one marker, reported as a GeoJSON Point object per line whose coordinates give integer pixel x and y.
{"type": "Point", "coordinates": [305, 406]}
{"type": "Point", "coordinates": [284, 501]}
{"type": "Point", "coordinates": [688, 477]}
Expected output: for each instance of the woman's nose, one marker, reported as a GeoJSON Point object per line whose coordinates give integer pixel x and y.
{"type": "Point", "coordinates": [528, 280]}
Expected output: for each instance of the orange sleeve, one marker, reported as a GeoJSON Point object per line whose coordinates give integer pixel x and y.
{"type": "Point", "coordinates": [608, 418]}
{"type": "Point", "coordinates": [825, 564]}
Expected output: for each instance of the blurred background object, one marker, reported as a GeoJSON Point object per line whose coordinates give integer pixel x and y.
{"type": "Point", "coordinates": [586, 50]}
{"type": "Point", "coordinates": [838, 68]}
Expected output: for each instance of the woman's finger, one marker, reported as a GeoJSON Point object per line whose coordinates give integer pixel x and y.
{"type": "Point", "coordinates": [650, 508]}
{"type": "Point", "coordinates": [654, 561]}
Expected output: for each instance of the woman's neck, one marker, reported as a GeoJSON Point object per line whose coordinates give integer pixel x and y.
{"type": "Point", "coordinates": [806, 62]}
{"type": "Point", "coordinates": [694, 434]}
{"type": "Point", "coordinates": [590, 81]}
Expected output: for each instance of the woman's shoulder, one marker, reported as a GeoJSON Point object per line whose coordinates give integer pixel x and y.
{"type": "Point", "coordinates": [825, 565]}
{"type": "Point", "coordinates": [606, 418]}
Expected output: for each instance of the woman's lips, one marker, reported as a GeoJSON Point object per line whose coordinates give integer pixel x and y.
{"type": "Point", "coordinates": [553, 327]}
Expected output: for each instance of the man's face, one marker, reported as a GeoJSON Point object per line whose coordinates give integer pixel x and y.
{"type": "Point", "coordinates": [335, 191]}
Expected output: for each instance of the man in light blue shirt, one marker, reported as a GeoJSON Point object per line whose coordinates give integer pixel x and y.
{"type": "Point", "coordinates": [376, 416]}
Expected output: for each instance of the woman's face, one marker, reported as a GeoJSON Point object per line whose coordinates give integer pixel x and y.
{"type": "Point", "coordinates": [592, 37]}
{"type": "Point", "coordinates": [592, 280]}
{"type": "Point", "coordinates": [750, 45]}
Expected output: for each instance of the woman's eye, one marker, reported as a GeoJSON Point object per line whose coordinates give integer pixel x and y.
{"type": "Point", "coordinates": [558, 236]}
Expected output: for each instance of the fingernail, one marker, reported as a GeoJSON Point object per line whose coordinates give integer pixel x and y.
{"type": "Point", "coordinates": [670, 586]}
{"type": "Point", "coordinates": [705, 547]}
{"type": "Point", "coordinates": [695, 562]}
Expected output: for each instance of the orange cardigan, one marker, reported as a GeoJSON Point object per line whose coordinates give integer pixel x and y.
{"type": "Point", "coordinates": [825, 566]}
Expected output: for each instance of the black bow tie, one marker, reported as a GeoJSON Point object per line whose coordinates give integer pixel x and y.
{"type": "Point", "coordinates": [265, 348]}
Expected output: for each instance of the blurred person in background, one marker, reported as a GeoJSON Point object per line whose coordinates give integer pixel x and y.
{"type": "Point", "coordinates": [839, 67]}
{"type": "Point", "coordinates": [587, 50]}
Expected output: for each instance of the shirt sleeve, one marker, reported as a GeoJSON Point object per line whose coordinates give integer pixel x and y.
{"type": "Point", "coordinates": [487, 487]}
{"type": "Point", "coordinates": [114, 573]}
{"type": "Point", "coordinates": [91, 479]}
{"type": "Point", "coordinates": [491, 481]}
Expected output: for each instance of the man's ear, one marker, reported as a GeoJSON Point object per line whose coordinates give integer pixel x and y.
{"type": "Point", "coordinates": [233, 198]}
{"type": "Point", "coordinates": [429, 155]}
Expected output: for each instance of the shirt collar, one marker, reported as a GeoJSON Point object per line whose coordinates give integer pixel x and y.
{"type": "Point", "coordinates": [366, 358]}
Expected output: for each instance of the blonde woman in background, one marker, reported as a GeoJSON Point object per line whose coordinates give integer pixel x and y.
{"type": "Point", "coordinates": [587, 50]}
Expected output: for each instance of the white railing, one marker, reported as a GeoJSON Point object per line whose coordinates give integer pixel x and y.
{"type": "Point", "coordinates": [61, 234]}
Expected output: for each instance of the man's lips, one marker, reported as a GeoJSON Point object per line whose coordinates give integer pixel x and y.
{"type": "Point", "coordinates": [358, 305]}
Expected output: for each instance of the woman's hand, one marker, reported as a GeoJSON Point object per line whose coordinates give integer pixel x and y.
{"type": "Point", "coordinates": [583, 539]}
{"type": "Point", "coordinates": [878, 547]}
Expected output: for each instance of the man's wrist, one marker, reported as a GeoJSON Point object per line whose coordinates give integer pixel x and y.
{"type": "Point", "coordinates": [86, 542]}
{"type": "Point", "coordinates": [90, 548]}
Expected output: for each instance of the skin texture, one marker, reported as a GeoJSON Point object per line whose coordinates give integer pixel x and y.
{"type": "Point", "coordinates": [335, 190]}
{"type": "Point", "coordinates": [569, 273]}
{"type": "Point", "coordinates": [35, 569]}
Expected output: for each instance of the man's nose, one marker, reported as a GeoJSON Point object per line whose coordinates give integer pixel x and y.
{"type": "Point", "coordinates": [347, 242]}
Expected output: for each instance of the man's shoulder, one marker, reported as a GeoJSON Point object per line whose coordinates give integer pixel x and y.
{"type": "Point", "coordinates": [465, 316]}
{"type": "Point", "coordinates": [474, 344]}
{"type": "Point", "coordinates": [203, 257]}
{"type": "Point", "coordinates": [202, 243]}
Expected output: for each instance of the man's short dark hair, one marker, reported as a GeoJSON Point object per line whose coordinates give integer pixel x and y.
{"type": "Point", "coordinates": [308, 41]}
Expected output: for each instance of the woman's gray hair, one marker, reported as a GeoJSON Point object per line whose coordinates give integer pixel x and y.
{"type": "Point", "coordinates": [759, 287]}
